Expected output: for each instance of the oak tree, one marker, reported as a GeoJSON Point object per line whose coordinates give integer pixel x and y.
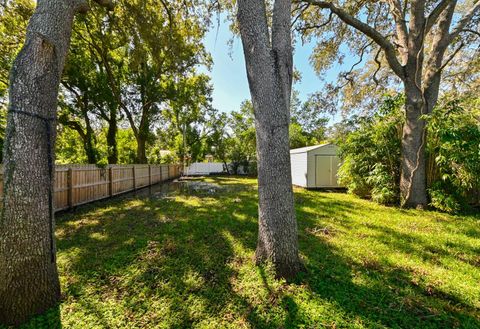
{"type": "Point", "coordinates": [28, 273]}
{"type": "Point", "coordinates": [418, 39]}
{"type": "Point", "coordinates": [269, 64]}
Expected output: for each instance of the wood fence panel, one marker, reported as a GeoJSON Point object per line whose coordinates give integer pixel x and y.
{"type": "Point", "coordinates": [142, 176]}
{"type": "Point", "coordinates": [171, 172]}
{"type": "Point", "coordinates": [79, 184]}
{"type": "Point", "coordinates": [164, 172]}
{"type": "Point", "coordinates": [89, 184]}
{"type": "Point", "coordinates": [122, 179]}
{"type": "Point", "coordinates": [156, 174]}
{"type": "Point", "coordinates": [60, 189]}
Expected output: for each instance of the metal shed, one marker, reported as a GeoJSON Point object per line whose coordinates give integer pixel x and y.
{"type": "Point", "coordinates": [315, 166]}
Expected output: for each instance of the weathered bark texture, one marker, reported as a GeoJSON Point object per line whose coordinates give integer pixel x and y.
{"type": "Point", "coordinates": [141, 150]}
{"type": "Point", "coordinates": [421, 77]}
{"type": "Point", "coordinates": [28, 273]}
{"type": "Point", "coordinates": [413, 180]}
{"type": "Point", "coordinates": [269, 69]}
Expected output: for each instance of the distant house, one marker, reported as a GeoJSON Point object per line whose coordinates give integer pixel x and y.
{"type": "Point", "coordinates": [315, 166]}
{"type": "Point", "coordinates": [165, 152]}
{"type": "Point", "coordinates": [204, 169]}
{"type": "Point", "coordinates": [209, 158]}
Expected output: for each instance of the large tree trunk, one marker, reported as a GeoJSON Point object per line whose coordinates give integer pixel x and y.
{"type": "Point", "coordinates": [28, 273]}
{"type": "Point", "coordinates": [112, 138]}
{"type": "Point", "coordinates": [269, 70]}
{"type": "Point", "coordinates": [413, 170]}
{"type": "Point", "coordinates": [141, 150]}
{"type": "Point", "coordinates": [90, 150]}
{"type": "Point", "coordinates": [90, 143]}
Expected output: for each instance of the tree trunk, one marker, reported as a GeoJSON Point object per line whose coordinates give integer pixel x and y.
{"type": "Point", "coordinates": [141, 150]}
{"type": "Point", "coordinates": [91, 151]}
{"type": "Point", "coordinates": [112, 138]}
{"type": "Point", "coordinates": [90, 142]}
{"type": "Point", "coordinates": [269, 70]}
{"type": "Point", "coordinates": [28, 273]}
{"type": "Point", "coordinates": [413, 179]}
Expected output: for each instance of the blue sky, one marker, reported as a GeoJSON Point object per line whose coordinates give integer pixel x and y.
{"type": "Point", "coordinates": [229, 77]}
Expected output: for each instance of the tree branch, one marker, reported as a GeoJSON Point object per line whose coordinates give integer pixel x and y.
{"type": "Point", "coordinates": [464, 20]}
{"type": "Point", "coordinates": [401, 25]}
{"type": "Point", "coordinates": [106, 3]}
{"type": "Point", "coordinates": [369, 31]}
{"type": "Point", "coordinates": [302, 10]}
{"type": "Point", "coordinates": [362, 53]}
{"type": "Point", "coordinates": [450, 58]}
{"type": "Point", "coordinates": [433, 17]}
{"type": "Point", "coordinates": [471, 31]}
{"type": "Point", "coordinates": [84, 7]}
{"type": "Point", "coordinates": [379, 66]}
{"type": "Point", "coordinates": [315, 26]}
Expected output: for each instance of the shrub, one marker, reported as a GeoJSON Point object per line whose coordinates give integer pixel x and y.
{"type": "Point", "coordinates": [371, 154]}
{"type": "Point", "coordinates": [454, 152]}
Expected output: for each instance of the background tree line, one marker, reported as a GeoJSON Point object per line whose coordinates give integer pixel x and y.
{"type": "Point", "coordinates": [131, 89]}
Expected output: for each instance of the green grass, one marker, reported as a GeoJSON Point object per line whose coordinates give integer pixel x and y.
{"type": "Point", "coordinates": [186, 261]}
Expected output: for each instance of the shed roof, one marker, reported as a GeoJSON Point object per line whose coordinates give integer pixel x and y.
{"type": "Point", "coordinates": [308, 148]}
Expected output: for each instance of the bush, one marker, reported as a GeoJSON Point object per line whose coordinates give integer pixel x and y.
{"type": "Point", "coordinates": [454, 151]}
{"type": "Point", "coordinates": [371, 154]}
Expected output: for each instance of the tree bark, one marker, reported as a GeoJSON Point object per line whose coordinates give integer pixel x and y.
{"type": "Point", "coordinates": [112, 138]}
{"type": "Point", "coordinates": [28, 273]}
{"type": "Point", "coordinates": [413, 179]}
{"type": "Point", "coordinates": [269, 70]}
{"type": "Point", "coordinates": [141, 150]}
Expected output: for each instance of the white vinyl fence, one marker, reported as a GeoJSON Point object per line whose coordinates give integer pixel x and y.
{"type": "Point", "coordinates": [203, 168]}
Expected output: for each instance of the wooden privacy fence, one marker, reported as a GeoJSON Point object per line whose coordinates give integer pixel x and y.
{"type": "Point", "coordinates": [75, 185]}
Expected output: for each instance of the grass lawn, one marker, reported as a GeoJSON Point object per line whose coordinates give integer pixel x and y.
{"type": "Point", "coordinates": [186, 261]}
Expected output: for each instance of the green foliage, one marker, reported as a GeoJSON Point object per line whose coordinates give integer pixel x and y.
{"type": "Point", "coordinates": [454, 145]}
{"type": "Point", "coordinates": [69, 148]}
{"type": "Point", "coordinates": [371, 154]}
{"type": "Point", "coordinates": [308, 122]}
{"type": "Point", "coordinates": [14, 17]}
{"type": "Point", "coordinates": [186, 261]}
{"type": "Point", "coordinates": [298, 137]}
{"type": "Point", "coordinates": [242, 149]}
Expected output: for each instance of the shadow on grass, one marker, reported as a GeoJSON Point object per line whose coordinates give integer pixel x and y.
{"type": "Point", "coordinates": [177, 261]}
{"type": "Point", "coordinates": [386, 294]}
{"type": "Point", "coordinates": [51, 319]}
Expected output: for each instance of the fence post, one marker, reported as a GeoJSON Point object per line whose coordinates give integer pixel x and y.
{"type": "Point", "coordinates": [110, 181]}
{"type": "Point", "coordinates": [149, 175]}
{"type": "Point", "coordinates": [70, 187]}
{"type": "Point", "coordinates": [134, 178]}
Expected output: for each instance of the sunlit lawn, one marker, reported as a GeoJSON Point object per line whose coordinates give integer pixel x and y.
{"type": "Point", "coordinates": [186, 261]}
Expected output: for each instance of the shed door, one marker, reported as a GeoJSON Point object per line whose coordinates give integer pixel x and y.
{"type": "Point", "coordinates": [323, 170]}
